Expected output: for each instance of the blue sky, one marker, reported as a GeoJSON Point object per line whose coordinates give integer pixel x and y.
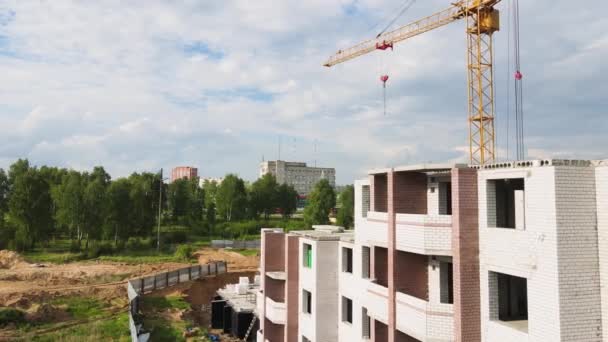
{"type": "Point", "coordinates": [215, 84]}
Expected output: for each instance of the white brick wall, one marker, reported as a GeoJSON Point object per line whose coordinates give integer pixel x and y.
{"type": "Point", "coordinates": [322, 282]}
{"type": "Point", "coordinates": [601, 183]}
{"type": "Point", "coordinates": [529, 253]}
{"type": "Point", "coordinates": [424, 320]}
{"type": "Point", "coordinates": [416, 234]}
{"type": "Point", "coordinates": [577, 249]}
{"type": "Point", "coordinates": [275, 311]}
{"type": "Point", "coordinates": [375, 299]}
{"type": "Point", "coordinates": [373, 230]}
{"type": "Point", "coordinates": [351, 286]}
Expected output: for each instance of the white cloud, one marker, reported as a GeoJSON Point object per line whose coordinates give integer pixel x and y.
{"type": "Point", "coordinates": [135, 87]}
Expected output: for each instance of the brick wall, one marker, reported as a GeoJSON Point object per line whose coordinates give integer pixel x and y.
{"type": "Point", "coordinates": [410, 193]}
{"type": "Point", "coordinates": [274, 289]}
{"type": "Point", "coordinates": [379, 193]}
{"type": "Point", "coordinates": [292, 262]}
{"type": "Point", "coordinates": [577, 250]}
{"type": "Point", "coordinates": [273, 332]}
{"type": "Point", "coordinates": [380, 267]}
{"type": "Point", "coordinates": [411, 276]}
{"type": "Point", "coordinates": [601, 185]}
{"type": "Point", "coordinates": [465, 245]}
{"type": "Point", "coordinates": [274, 251]}
{"type": "Point", "coordinates": [401, 337]}
{"type": "Point", "coordinates": [380, 332]}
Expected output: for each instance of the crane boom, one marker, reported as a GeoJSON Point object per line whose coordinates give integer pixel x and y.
{"type": "Point", "coordinates": [404, 32]}
{"type": "Point", "coordinates": [482, 21]}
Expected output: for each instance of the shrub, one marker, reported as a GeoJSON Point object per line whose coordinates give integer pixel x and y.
{"type": "Point", "coordinates": [74, 246]}
{"type": "Point", "coordinates": [98, 249]}
{"type": "Point", "coordinates": [176, 236]}
{"type": "Point", "coordinates": [11, 316]}
{"type": "Point", "coordinates": [184, 252]}
{"type": "Point", "coordinates": [134, 244]}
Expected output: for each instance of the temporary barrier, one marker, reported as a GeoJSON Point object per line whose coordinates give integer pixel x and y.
{"type": "Point", "coordinates": [139, 286]}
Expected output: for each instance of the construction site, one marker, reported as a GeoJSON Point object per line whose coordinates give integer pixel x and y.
{"type": "Point", "coordinates": [496, 247]}
{"type": "Point", "coordinates": [50, 293]}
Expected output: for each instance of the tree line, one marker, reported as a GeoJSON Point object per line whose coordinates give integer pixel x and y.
{"type": "Point", "coordinates": [38, 204]}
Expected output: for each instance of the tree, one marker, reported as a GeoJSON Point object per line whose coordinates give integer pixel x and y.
{"type": "Point", "coordinates": [5, 234]}
{"type": "Point", "coordinates": [144, 202]}
{"type": "Point", "coordinates": [179, 199]}
{"type": "Point", "coordinates": [287, 200]}
{"type": "Point", "coordinates": [346, 211]}
{"type": "Point", "coordinates": [231, 199]}
{"type": "Point", "coordinates": [94, 200]}
{"type": "Point", "coordinates": [118, 223]}
{"type": "Point", "coordinates": [321, 201]}
{"type": "Point", "coordinates": [264, 196]}
{"type": "Point", "coordinates": [4, 191]}
{"type": "Point", "coordinates": [17, 169]}
{"type": "Point", "coordinates": [68, 198]}
{"type": "Point", "coordinates": [196, 207]}
{"type": "Point", "coordinates": [30, 208]}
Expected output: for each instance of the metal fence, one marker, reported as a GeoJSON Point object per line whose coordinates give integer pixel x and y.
{"type": "Point", "coordinates": [235, 244]}
{"type": "Point", "coordinates": [139, 286]}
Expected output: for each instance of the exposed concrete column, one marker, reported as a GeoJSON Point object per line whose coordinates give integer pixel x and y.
{"type": "Point", "coordinates": [392, 324]}
{"type": "Point", "coordinates": [465, 247]}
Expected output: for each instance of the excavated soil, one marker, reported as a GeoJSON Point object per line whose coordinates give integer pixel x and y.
{"type": "Point", "coordinates": [10, 259]}
{"type": "Point", "coordinates": [236, 261]}
{"type": "Point", "coordinates": [22, 284]}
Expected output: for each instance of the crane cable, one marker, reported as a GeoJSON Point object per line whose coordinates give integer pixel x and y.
{"type": "Point", "coordinates": [384, 77]}
{"type": "Point", "coordinates": [406, 6]}
{"type": "Point", "coordinates": [508, 119]}
{"type": "Point", "coordinates": [519, 110]}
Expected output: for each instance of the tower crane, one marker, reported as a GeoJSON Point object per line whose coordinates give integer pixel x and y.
{"type": "Point", "coordinates": [482, 20]}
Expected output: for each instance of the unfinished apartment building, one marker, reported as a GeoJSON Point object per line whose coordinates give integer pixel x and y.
{"type": "Point", "coordinates": [505, 252]}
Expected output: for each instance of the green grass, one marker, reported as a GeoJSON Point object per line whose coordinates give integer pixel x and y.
{"type": "Point", "coordinates": [51, 257]}
{"type": "Point", "coordinates": [81, 308]}
{"type": "Point", "coordinates": [114, 329]}
{"type": "Point", "coordinates": [151, 303]}
{"type": "Point", "coordinates": [165, 330]}
{"type": "Point", "coordinates": [11, 316]}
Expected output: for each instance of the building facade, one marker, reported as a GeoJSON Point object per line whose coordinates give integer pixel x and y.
{"type": "Point", "coordinates": [504, 252]}
{"type": "Point", "coordinates": [183, 172]}
{"type": "Point", "coordinates": [302, 177]}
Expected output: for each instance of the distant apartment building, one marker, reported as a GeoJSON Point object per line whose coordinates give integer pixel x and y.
{"type": "Point", "coordinates": [183, 172]}
{"type": "Point", "coordinates": [514, 251]}
{"type": "Point", "coordinates": [302, 177]}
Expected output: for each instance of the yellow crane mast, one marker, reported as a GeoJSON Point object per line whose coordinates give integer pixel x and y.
{"type": "Point", "coordinates": [482, 20]}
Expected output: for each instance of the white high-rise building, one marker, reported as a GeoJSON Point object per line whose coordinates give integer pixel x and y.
{"type": "Point", "coordinates": [297, 174]}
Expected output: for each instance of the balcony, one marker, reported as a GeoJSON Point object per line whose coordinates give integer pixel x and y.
{"type": "Point", "coordinates": [506, 331]}
{"type": "Point", "coordinates": [374, 230]}
{"type": "Point", "coordinates": [423, 320]}
{"type": "Point", "coordinates": [376, 301]}
{"type": "Point", "coordinates": [424, 234]}
{"type": "Point", "coordinates": [275, 312]}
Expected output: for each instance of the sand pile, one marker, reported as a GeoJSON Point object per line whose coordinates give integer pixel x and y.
{"type": "Point", "coordinates": [10, 259]}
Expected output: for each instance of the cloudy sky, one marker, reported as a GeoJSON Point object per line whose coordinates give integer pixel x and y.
{"type": "Point", "coordinates": [140, 85]}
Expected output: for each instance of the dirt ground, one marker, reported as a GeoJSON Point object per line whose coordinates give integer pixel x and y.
{"type": "Point", "coordinates": [199, 294]}
{"type": "Point", "coordinates": [236, 261]}
{"type": "Point", "coordinates": [22, 283]}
